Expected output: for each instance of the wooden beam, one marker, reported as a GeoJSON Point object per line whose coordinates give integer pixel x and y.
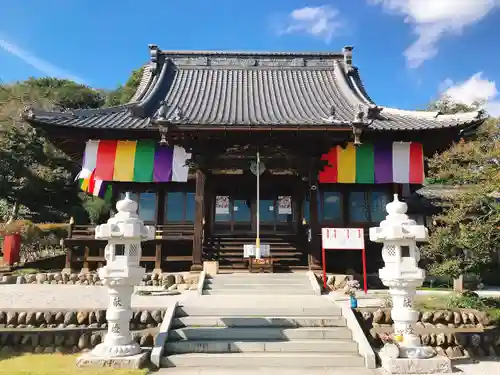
{"type": "Point", "coordinates": [198, 221]}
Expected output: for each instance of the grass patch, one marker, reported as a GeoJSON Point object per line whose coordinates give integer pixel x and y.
{"type": "Point", "coordinates": [54, 364]}
{"type": "Point", "coordinates": [24, 271]}
{"type": "Point", "coordinates": [435, 302]}
{"type": "Point", "coordinates": [464, 301]}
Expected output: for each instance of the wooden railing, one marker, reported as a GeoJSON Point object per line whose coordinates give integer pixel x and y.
{"type": "Point", "coordinates": [171, 231]}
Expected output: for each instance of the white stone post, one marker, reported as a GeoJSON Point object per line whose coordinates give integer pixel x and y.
{"type": "Point", "coordinates": [401, 274]}
{"type": "Point", "coordinates": [124, 233]}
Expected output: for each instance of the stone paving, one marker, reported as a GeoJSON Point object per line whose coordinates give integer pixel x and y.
{"type": "Point", "coordinates": [491, 367]}
{"type": "Point", "coordinates": [50, 297]}
{"type": "Point", "coordinates": [72, 297]}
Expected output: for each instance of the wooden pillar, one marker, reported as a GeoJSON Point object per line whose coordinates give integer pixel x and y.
{"type": "Point", "coordinates": [157, 268]}
{"type": "Point", "coordinates": [69, 249]}
{"type": "Point", "coordinates": [86, 254]}
{"type": "Point", "coordinates": [198, 221]}
{"type": "Point", "coordinates": [314, 225]}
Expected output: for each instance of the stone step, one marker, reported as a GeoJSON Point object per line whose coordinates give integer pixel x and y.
{"type": "Point", "coordinates": [283, 322]}
{"type": "Point", "coordinates": [307, 287]}
{"type": "Point", "coordinates": [255, 291]}
{"type": "Point", "coordinates": [257, 311]}
{"type": "Point", "coordinates": [259, 333]}
{"type": "Point", "coordinates": [238, 281]}
{"type": "Point", "coordinates": [246, 346]}
{"type": "Point", "coordinates": [255, 360]}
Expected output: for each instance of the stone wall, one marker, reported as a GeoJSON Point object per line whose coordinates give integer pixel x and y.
{"type": "Point", "coordinates": [337, 282]}
{"type": "Point", "coordinates": [177, 281]}
{"type": "Point", "coordinates": [455, 333]}
{"type": "Point", "coordinates": [68, 331]}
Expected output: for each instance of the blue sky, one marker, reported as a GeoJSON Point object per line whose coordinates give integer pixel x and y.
{"type": "Point", "coordinates": [408, 51]}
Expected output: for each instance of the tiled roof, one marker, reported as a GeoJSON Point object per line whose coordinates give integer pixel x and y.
{"type": "Point", "coordinates": [250, 89]}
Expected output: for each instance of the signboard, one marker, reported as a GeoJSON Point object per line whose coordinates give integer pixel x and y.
{"type": "Point", "coordinates": [249, 250]}
{"type": "Point", "coordinates": [343, 238]}
{"type": "Point", "coordinates": [221, 205]}
{"type": "Point", "coordinates": [284, 205]}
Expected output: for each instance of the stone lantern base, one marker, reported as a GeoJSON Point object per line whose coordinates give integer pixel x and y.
{"type": "Point", "coordinates": [132, 362]}
{"type": "Point", "coordinates": [407, 366]}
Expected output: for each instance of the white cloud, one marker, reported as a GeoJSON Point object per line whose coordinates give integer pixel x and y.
{"type": "Point", "coordinates": [435, 19]}
{"type": "Point", "coordinates": [474, 90]}
{"type": "Point", "coordinates": [321, 22]}
{"type": "Point", "coordinates": [38, 63]}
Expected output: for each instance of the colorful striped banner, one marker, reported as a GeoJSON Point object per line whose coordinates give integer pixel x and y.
{"type": "Point", "coordinates": [133, 161]}
{"type": "Point", "coordinates": [97, 188]}
{"type": "Point", "coordinates": [399, 162]}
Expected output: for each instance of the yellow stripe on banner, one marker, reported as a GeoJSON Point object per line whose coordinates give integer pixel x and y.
{"type": "Point", "coordinates": [346, 161]}
{"type": "Point", "coordinates": [124, 161]}
{"type": "Point", "coordinates": [85, 184]}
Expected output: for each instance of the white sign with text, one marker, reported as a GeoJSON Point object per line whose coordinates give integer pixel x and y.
{"type": "Point", "coordinates": [343, 238]}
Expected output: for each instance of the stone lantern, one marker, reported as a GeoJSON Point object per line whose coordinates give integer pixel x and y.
{"type": "Point", "coordinates": [399, 235]}
{"type": "Point", "coordinates": [124, 233]}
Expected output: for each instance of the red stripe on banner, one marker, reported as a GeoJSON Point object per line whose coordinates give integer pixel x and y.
{"type": "Point", "coordinates": [329, 173]}
{"type": "Point", "coordinates": [91, 186]}
{"type": "Point", "coordinates": [416, 163]}
{"type": "Point", "coordinates": [105, 165]}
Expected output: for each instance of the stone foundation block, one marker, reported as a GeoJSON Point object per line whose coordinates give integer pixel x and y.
{"type": "Point", "coordinates": [407, 366]}
{"type": "Point", "coordinates": [132, 362]}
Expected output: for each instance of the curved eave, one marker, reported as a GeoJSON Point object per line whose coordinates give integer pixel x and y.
{"type": "Point", "coordinates": [145, 84]}
{"type": "Point", "coordinates": [399, 119]}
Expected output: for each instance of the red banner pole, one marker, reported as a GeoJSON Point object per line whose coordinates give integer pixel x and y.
{"type": "Point", "coordinates": [365, 281]}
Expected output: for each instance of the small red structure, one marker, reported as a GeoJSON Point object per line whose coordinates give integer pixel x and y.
{"type": "Point", "coordinates": [11, 248]}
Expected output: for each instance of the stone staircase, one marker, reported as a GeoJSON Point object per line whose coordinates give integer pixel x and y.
{"type": "Point", "coordinates": [258, 284]}
{"type": "Point", "coordinates": [250, 331]}
{"type": "Point", "coordinates": [288, 251]}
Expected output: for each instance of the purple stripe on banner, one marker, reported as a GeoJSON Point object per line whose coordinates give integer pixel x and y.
{"type": "Point", "coordinates": [383, 163]}
{"type": "Point", "coordinates": [163, 164]}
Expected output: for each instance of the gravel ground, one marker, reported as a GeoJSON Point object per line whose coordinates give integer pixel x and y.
{"type": "Point", "coordinates": [490, 367]}
{"type": "Point", "coordinates": [72, 297]}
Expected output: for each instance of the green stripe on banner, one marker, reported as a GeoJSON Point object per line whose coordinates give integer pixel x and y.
{"type": "Point", "coordinates": [365, 164]}
{"type": "Point", "coordinates": [144, 161]}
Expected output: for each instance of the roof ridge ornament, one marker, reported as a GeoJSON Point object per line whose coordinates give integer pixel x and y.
{"type": "Point", "coordinates": [332, 117]}
{"type": "Point", "coordinates": [363, 118]}
{"type": "Point", "coordinates": [347, 51]}
{"type": "Point", "coordinates": [154, 52]}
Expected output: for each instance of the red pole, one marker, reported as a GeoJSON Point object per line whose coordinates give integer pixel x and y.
{"type": "Point", "coordinates": [365, 281]}
{"type": "Point", "coordinates": [323, 255]}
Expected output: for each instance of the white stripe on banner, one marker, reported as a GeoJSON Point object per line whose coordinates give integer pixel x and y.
{"type": "Point", "coordinates": [97, 187]}
{"type": "Point", "coordinates": [401, 162]}
{"type": "Point", "coordinates": [89, 159]}
{"type": "Point", "coordinates": [180, 170]}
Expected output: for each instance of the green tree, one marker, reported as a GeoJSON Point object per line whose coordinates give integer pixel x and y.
{"type": "Point", "coordinates": [447, 105]}
{"type": "Point", "coordinates": [35, 177]}
{"type": "Point", "coordinates": [123, 94]}
{"type": "Point", "coordinates": [467, 235]}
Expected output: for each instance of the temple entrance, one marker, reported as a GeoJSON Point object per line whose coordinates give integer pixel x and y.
{"type": "Point", "coordinates": [236, 214]}
{"type": "Point", "coordinates": [234, 210]}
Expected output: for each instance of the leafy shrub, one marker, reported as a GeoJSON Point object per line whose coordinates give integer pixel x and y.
{"type": "Point", "coordinates": [471, 300]}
